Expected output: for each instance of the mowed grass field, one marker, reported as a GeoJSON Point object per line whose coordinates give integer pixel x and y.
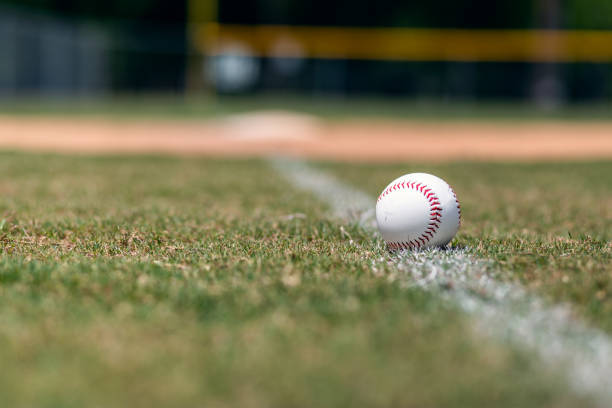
{"type": "Point", "coordinates": [547, 226]}
{"type": "Point", "coordinates": [165, 282]}
{"type": "Point", "coordinates": [326, 107]}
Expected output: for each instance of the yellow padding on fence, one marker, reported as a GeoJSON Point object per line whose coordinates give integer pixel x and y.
{"type": "Point", "coordinates": [407, 44]}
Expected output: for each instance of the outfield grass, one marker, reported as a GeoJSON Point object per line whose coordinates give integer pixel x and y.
{"type": "Point", "coordinates": [547, 226]}
{"type": "Point", "coordinates": [152, 282]}
{"type": "Point", "coordinates": [325, 107]}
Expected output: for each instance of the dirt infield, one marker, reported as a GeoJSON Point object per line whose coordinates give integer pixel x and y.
{"type": "Point", "coordinates": [267, 133]}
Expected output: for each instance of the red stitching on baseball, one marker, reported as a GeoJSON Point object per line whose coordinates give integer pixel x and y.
{"type": "Point", "coordinates": [435, 214]}
{"type": "Point", "coordinates": [458, 206]}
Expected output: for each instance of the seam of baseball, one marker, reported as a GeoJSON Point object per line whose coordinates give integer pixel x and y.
{"type": "Point", "coordinates": [458, 207]}
{"type": "Point", "coordinates": [434, 214]}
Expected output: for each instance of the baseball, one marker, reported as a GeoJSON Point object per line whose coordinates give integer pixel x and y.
{"type": "Point", "coordinates": [416, 211]}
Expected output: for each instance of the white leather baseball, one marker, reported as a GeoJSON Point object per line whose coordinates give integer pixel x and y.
{"type": "Point", "coordinates": [417, 210]}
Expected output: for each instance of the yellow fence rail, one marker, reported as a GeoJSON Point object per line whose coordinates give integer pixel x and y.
{"type": "Point", "coordinates": [407, 44]}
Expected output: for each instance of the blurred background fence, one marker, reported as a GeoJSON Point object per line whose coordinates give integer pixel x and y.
{"type": "Point", "coordinates": [547, 51]}
{"type": "Point", "coordinates": [46, 55]}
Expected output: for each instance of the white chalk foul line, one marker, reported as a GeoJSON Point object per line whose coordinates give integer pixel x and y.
{"type": "Point", "coordinates": [500, 310]}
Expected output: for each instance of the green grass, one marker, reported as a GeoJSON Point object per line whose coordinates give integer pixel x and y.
{"type": "Point", "coordinates": [167, 106]}
{"type": "Point", "coordinates": [159, 282]}
{"type": "Point", "coordinates": [547, 226]}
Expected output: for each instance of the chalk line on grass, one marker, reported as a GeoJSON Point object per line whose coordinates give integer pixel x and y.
{"type": "Point", "coordinates": [500, 310]}
{"type": "Point", "coordinates": [345, 201]}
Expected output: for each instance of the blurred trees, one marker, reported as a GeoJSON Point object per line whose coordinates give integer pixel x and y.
{"type": "Point", "coordinates": [149, 49]}
{"type": "Point", "coordinates": [588, 14]}
{"type": "Point", "coordinates": [577, 14]}
{"type": "Point", "coordinates": [381, 13]}
{"type": "Point", "coordinates": [152, 10]}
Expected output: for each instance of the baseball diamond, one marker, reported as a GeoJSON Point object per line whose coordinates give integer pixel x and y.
{"type": "Point", "coordinates": [234, 203]}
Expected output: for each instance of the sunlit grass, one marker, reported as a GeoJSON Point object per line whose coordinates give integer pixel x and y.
{"type": "Point", "coordinates": [547, 226]}
{"type": "Point", "coordinates": [172, 282]}
{"type": "Point", "coordinates": [162, 106]}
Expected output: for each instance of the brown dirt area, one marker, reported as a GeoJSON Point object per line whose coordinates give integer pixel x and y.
{"type": "Point", "coordinates": [271, 133]}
